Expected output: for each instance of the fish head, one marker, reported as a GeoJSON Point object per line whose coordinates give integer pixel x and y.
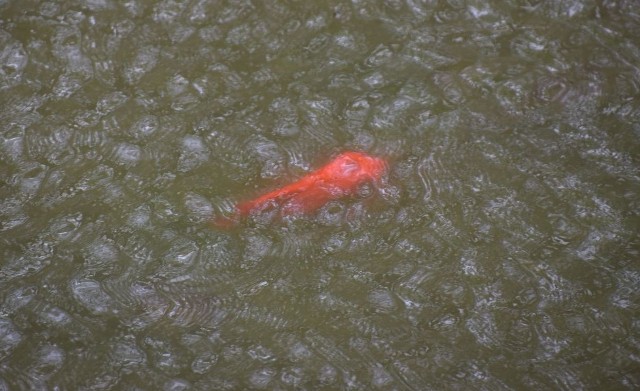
{"type": "Point", "coordinates": [357, 167]}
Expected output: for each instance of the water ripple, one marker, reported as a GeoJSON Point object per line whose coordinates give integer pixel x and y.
{"type": "Point", "coordinates": [497, 254]}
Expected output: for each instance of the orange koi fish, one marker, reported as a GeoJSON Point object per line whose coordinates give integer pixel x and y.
{"type": "Point", "coordinates": [339, 178]}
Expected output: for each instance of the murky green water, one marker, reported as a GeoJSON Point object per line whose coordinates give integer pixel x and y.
{"type": "Point", "coordinates": [502, 254]}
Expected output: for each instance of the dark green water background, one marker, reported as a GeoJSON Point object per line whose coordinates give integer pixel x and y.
{"type": "Point", "coordinates": [502, 255]}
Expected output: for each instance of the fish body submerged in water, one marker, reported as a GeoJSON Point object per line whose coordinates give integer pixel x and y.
{"type": "Point", "coordinates": [339, 178]}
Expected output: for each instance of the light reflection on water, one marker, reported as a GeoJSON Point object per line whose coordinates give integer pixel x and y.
{"type": "Point", "coordinates": [498, 255]}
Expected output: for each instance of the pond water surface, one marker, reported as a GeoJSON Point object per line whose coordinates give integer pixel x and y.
{"type": "Point", "coordinates": [500, 254]}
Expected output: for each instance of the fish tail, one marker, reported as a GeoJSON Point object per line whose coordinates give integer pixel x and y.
{"type": "Point", "coordinates": [225, 222]}
{"type": "Point", "coordinates": [229, 221]}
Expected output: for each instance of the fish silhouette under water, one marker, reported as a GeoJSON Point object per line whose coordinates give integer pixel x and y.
{"type": "Point", "coordinates": [339, 178]}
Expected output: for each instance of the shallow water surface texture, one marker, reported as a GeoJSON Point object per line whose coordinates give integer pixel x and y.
{"type": "Point", "coordinates": [500, 253]}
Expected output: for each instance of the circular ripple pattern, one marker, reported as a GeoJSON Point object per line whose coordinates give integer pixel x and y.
{"type": "Point", "coordinates": [499, 253]}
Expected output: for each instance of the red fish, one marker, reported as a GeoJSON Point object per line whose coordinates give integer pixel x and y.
{"type": "Point", "coordinates": [339, 178]}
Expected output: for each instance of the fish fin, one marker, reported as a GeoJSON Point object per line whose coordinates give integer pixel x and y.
{"type": "Point", "coordinates": [306, 201]}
